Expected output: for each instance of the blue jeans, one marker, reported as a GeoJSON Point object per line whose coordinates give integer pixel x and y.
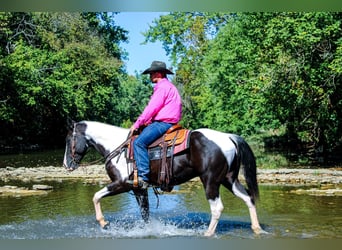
{"type": "Point", "coordinates": [140, 145]}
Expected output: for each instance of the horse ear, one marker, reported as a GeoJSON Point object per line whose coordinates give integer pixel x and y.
{"type": "Point", "coordinates": [70, 123]}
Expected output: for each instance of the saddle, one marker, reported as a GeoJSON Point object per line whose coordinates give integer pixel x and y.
{"type": "Point", "coordinates": [174, 141]}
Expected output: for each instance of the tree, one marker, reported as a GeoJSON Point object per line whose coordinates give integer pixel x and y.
{"type": "Point", "coordinates": [302, 84]}
{"type": "Point", "coordinates": [259, 71]}
{"type": "Point", "coordinates": [57, 65]}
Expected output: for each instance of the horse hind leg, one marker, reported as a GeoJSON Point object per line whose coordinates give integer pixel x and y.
{"type": "Point", "coordinates": [239, 190]}
{"type": "Point", "coordinates": [216, 208]}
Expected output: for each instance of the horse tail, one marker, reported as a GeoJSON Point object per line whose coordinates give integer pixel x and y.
{"type": "Point", "coordinates": [246, 158]}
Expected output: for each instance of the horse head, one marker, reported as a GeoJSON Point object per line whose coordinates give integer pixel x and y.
{"type": "Point", "coordinates": [76, 145]}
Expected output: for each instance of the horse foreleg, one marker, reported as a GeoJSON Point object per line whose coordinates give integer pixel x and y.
{"type": "Point", "coordinates": [216, 208]}
{"type": "Point", "coordinates": [98, 211]}
{"type": "Point", "coordinates": [241, 192]}
{"type": "Point", "coordinates": [142, 199]}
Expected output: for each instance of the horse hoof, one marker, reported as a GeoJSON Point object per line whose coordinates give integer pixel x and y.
{"type": "Point", "coordinates": [106, 225]}
{"type": "Point", "coordinates": [259, 231]}
{"type": "Point", "coordinates": [208, 234]}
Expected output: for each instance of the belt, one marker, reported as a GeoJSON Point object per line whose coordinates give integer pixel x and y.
{"type": "Point", "coordinates": [165, 122]}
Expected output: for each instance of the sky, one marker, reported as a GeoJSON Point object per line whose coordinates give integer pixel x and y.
{"type": "Point", "coordinates": [140, 56]}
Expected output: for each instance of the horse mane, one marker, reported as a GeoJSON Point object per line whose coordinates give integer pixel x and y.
{"type": "Point", "coordinates": [109, 135]}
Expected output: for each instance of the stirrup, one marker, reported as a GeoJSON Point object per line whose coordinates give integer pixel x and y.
{"type": "Point", "coordinates": [141, 183]}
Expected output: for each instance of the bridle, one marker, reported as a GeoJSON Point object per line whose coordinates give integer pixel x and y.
{"type": "Point", "coordinates": [73, 142]}
{"type": "Point", "coordinates": [73, 160]}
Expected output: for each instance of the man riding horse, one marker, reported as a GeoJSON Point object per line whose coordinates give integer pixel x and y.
{"type": "Point", "coordinates": [163, 110]}
{"type": "Point", "coordinates": [213, 156]}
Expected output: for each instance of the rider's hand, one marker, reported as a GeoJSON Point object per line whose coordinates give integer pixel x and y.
{"type": "Point", "coordinates": [132, 131]}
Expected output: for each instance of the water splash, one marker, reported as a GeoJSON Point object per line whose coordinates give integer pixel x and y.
{"type": "Point", "coordinates": [121, 227]}
{"type": "Point", "coordinates": [191, 225]}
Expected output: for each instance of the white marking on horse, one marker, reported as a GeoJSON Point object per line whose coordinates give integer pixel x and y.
{"type": "Point", "coordinates": [252, 209]}
{"type": "Point", "coordinates": [103, 135]}
{"type": "Point", "coordinates": [245, 197]}
{"type": "Point", "coordinates": [98, 211]}
{"type": "Point", "coordinates": [216, 208]}
{"type": "Point", "coordinates": [65, 163]}
{"type": "Point", "coordinates": [100, 194]}
{"type": "Point", "coordinates": [223, 141]}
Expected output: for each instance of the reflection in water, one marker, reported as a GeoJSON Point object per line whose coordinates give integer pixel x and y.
{"type": "Point", "coordinates": [67, 212]}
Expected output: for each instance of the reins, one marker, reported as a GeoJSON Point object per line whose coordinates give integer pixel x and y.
{"type": "Point", "coordinates": [109, 156]}
{"type": "Point", "coordinates": [117, 151]}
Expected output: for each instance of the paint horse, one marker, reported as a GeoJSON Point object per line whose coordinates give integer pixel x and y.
{"type": "Point", "coordinates": [213, 156]}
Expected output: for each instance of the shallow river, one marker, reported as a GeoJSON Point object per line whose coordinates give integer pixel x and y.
{"type": "Point", "coordinates": [67, 212]}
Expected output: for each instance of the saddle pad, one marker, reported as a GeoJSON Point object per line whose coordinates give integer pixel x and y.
{"type": "Point", "coordinates": [179, 136]}
{"type": "Point", "coordinates": [183, 143]}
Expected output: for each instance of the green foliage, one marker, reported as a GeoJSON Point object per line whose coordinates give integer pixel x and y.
{"type": "Point", "coordinates": [134, 93]}
{"type": "Point", "coordinates": [108, 31]}
{"type": "Point", "coordinates": [301, 87]}
{"type": "Point", "coordinates": [54, 66]}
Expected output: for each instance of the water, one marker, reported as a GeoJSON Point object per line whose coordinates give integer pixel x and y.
{"type": "Point", "coordinates": [67, 213]}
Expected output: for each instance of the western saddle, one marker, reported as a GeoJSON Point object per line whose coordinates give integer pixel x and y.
{"type": "Point", "coordinates": [174, 141]}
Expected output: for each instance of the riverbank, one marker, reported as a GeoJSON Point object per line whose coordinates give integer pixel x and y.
{"type": "Point", "coordinates": [323, 181]}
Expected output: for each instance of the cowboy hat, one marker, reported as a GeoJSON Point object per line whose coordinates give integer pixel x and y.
{"type": "Point", "coordinates": [159, 67]}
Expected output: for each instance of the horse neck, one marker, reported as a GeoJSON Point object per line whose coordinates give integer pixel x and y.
{"type": "Point", "coordinates": [105, 137]}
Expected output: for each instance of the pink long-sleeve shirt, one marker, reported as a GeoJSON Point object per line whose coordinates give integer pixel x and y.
{"type": "Point", "coordinates": [165, 105]}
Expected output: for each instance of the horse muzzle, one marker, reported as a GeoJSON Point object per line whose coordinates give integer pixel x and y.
{"type": "Point", "coordinates": [73, 165]}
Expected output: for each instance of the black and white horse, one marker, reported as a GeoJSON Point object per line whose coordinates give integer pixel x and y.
{"type": "Point", "coordinates": [213, 156]}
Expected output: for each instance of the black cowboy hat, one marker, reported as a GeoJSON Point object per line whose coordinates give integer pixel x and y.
{"type": "Point", "coordinates": [157, 66]}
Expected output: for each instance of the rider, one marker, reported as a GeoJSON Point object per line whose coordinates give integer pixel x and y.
{"type": "Point", "coordinates": [163, 110]}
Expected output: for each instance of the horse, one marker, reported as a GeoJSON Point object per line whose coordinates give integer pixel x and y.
{"type": "Point", "coordinates": [215, 157]}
